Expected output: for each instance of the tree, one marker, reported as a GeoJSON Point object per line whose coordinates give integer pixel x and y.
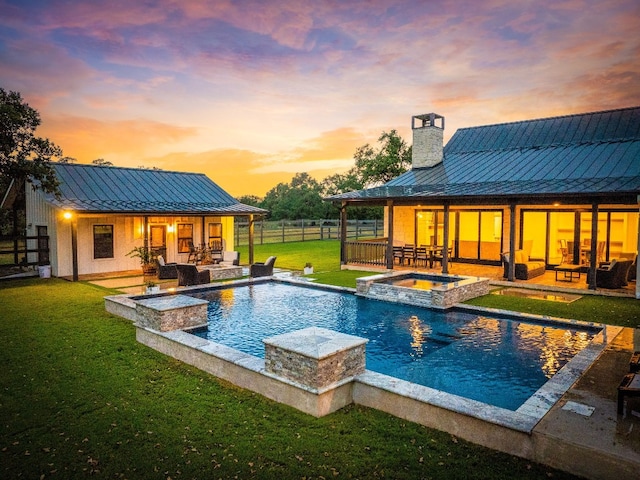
{"type": "Point", "coordinates": [23, 156]}
{"type": "Point", "coordinates": [296, 200]}
{"type": "Point", "coordinates": [101, 162]}
{"type": "Point", "coordinates": [252, 200]}
{"type": "Point", "coordinates": [392, 158]}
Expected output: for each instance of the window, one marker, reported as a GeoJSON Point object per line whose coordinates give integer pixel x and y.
{"type": "Point", "coordinates": [185, 237]}
{"type": "Point", "coordinates": [103, 241]}
{"type": "Point", "coordinates": [215, 236]}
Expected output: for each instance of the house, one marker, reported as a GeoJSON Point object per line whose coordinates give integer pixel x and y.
{"type": "Point", "coordinates": [562, 189]}
{"type": "Point", "coordinates": [102, 213]}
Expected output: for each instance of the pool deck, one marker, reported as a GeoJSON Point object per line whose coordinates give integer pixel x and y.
{"type": "Point", "coordinates": [582, 433]}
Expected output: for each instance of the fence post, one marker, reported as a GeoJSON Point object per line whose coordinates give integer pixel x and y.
{"type": "Point", "coordinates": [302, 229]}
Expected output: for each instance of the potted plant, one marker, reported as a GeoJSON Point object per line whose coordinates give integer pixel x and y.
{"type": "Point", "coordinates": [152, 287]}
{"type": "Point", "coordinates": [308, 269]}
{"type": "Point", "coordinates": [147, 258]}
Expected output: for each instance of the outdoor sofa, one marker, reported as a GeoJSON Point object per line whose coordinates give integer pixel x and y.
{"type": "Point", "coordinates": [526, 268]}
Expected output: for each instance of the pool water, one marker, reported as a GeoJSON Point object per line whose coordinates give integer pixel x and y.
{"type": "Point", "coordinates": [415, 283]}
{"type": "Point", "coordinates": [497, 361]}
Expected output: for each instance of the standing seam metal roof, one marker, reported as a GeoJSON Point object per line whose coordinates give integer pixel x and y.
{"type": "Point", "coordinates": [596, 153]}
{"type": "Point", "coordinates": [91, 188]}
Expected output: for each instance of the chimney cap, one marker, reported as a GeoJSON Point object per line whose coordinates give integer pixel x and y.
{"type": "Point", "coordinates": [427, 120]}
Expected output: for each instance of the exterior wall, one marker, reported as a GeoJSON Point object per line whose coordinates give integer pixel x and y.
{"type": "Point", "coordinates": [40, 213]}
{"type": "Point", "coordinates": [128, 233]}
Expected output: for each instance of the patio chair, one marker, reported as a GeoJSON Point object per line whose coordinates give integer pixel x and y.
{"type": "Point", "coordinates": [189, 275]}
{"type": "Point", "coordinates": [438, 254]}
{"type": "Point", "coordinates": [262, 269]}
{"type": "Point", "coordinates": [397, 255]}
{"type": "Point", "coordinates": [613, 275]}
{"type": "Point", "coordinates": [422, 256]}
{"type": "Point", "coordinates": [166, 270]}
{"type": "Point", "coordinates": [194, 254]}
{"type": "Point", "coordinates": [408, 254]}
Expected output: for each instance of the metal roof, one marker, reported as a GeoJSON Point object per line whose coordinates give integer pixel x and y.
{"type": "Point", "coordinates": [585, 154]}
{"type": "Point", "coordinates": [101, 189]}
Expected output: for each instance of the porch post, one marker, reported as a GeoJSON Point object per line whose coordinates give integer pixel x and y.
{"type": "Point", "coordinates": [74, 247]}
{"type": "Point", "coordinates": [512, 242]}
{"type": "Point", "coordinates": [343, 233]}
{"type": "Point", "coordinates": [390, 234]}
{"type": "Point", "coordinates": [445, 241]}
{"type": "Point", "coordinates": [145, 234]}
{"type": "Point", "coordinates": [250, 239]}
{"type": "Point", "coordinates": [594, 245]}
{"type": "Point", "coordinates": [638, 250]}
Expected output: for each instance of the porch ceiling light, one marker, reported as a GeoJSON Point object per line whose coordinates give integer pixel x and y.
{"type": "Point", "coordinates": [67, 215]}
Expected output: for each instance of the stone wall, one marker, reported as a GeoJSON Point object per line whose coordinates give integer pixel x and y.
{"type": "Point", "coordinates": [445, 296]}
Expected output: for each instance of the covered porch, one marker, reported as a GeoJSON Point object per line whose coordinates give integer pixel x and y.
{"type": "Point", "coordinates": [546, 282]}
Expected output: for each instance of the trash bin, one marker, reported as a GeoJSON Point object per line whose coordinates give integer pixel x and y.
{"type": "Point", "coordinates": [44, 271]}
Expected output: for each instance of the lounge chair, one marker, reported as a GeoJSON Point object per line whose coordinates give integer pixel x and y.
{"type": "Point", "coordinates": [613, 275]}
{"type": "Point", "coordinates": [166, 270]}
{"type": "Point", "coordinates": [189, 275]}
{"type": "Point", "coordinates": [262, 269]}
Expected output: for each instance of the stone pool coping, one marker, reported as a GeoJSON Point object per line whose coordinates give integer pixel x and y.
{"type": "Point", "coordinates": [494, 427]}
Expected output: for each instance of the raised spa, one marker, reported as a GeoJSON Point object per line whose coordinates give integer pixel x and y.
{"type": "Point", "coordinates": [423, 289]}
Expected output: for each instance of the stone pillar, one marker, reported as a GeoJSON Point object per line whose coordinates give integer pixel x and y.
{"type": "Point", "coordinates": [171, 312]}
{"type": "Point", "coordinates": [316, 358]}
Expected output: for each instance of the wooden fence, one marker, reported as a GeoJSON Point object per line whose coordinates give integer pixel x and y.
{"type": "Point", "coordinates": [283, 231]}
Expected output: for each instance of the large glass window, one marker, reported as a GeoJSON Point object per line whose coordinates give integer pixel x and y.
{"type": "Point", "coordinates": [534, 237]}
{"type": "Point", "coordinates": [185, 237]}
{"type": "Point", "coordinates": [103, 241]}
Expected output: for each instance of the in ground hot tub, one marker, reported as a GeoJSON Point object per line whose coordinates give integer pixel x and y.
{"type": "Point", "coordinates": [423, 289]}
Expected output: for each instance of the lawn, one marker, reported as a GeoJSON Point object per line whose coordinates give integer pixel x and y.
{"type": "Point", "coordinates": [80, 397]}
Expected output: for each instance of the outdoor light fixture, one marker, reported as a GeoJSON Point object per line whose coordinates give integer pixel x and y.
{"type": "Point", "coordinates": [170, 229]}
{"type": "Point", "coordinates": [67, 215]}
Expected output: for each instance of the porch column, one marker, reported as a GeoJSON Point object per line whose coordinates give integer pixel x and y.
{"type": "Point", "coordinates": [594, 246]}
{"type": "Point", "coordinates": [145, 234]}
{"type": "Point", "coordinates": [511, 274]}
{"type": "Point", "coordinates": [74, 247]}
{"type": "Point", "coordinates": [250, 239]}
{"type": "Point", "coordinates": [445, 241]}
{"type": "Point", "coordinates": [390, 234]}
{"type": "Point", "coordinates": [638, 250]}
{"type": "Point", "coordinates": [343, 233]}
{"type": "Point", "coordinates": [203, 238]}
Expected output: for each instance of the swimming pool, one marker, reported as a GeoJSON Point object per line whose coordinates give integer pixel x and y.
{"type": "Point", "coordinates": [498, 361]}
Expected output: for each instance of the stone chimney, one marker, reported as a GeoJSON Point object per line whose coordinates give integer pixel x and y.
{"type": "Point", "coordinates": [427, 140]}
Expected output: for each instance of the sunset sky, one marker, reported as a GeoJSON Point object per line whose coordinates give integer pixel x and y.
{"type": "Point", "coordinates": [251, 92]}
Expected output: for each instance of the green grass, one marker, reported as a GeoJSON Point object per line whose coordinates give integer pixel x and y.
{"type": "Point", "coordinates": [590, 308]}
{"type": "Point", "coordinates": [324, 255]}
{"type": "Point", "coordinates": [81, 398]}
